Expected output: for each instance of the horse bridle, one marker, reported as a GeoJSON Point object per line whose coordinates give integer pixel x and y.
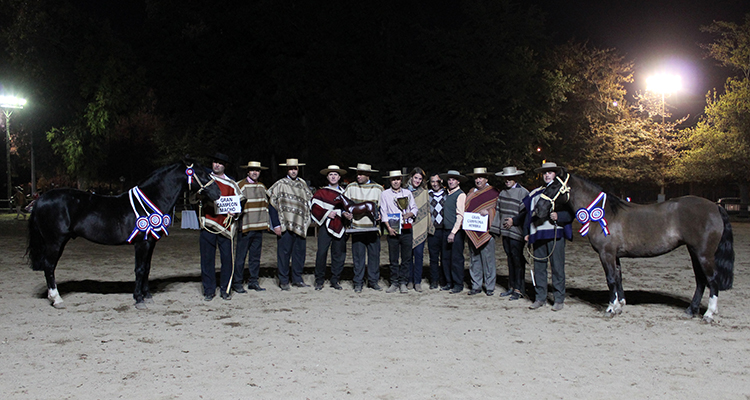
{"type": "Point", "coordinates": [191, 174]}
{"type": "Point", "coordinates": [564, 189]}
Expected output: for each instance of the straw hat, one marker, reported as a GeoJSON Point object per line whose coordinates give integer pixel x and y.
{"type": "Point", "coordinates": [510, 172]}
{"type": "Point", "coordinates": [396, 173]}
{"type": "Point", "coordinates": [291, 162]}
{"type": "Point", "coordinates": [333, 168]}
{"type": "Point", "coordinates": [480, 171]}
{"type": "Point", "coordinates": [453, 174]}
{"type": "Point", "coordinates": [364, 168]}
{"type": "Point", "coordinates": [548, 166]}
{"type": "Point", "coordinates": [254, 165]}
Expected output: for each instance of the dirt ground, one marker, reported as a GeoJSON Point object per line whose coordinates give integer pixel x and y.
{"type": "Point", "coordinates": [333, 344]}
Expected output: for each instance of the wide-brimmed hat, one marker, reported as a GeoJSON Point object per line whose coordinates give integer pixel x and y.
{"type": "Point", "coordinates": [396, 173]}
{"type": "Point", "coordinates": [333, 168]}
{"type": "Point", "coordinates": [480, 171]}
{"type": "Point", "coordinates": [452, 173]}
{"type": "Point", "coordinates": [221, 157]}
{"type": "Point", "coordinates": [292, 162]}
{"type": "Point", "coordinates": [254, 165]}
{"type": "Point", "coordinates": [364, 168]}
{"type": "Point", "coordinates": [548, 166]}
{"type": "Point", "coordinates": [510, 172]}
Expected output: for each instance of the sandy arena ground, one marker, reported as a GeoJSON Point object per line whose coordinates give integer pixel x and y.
{"type": "Point", "coordinates": [333, 344]}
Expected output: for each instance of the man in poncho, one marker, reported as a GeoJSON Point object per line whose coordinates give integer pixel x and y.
{"type": "Point", "coordinates": [482, 200]}
{"type": "Point", "coordinates": [291, 198]}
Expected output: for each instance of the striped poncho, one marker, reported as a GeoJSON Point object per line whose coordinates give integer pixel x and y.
{"type": "Point", "coordinates": [477, 200]}
{"type": "Point", "coordinates": [291, 198]}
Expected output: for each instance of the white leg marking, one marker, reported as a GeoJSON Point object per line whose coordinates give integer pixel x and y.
{"type": "Point", "coordinates": [616, 306]}
{"type": "Point", "coordinates": [54, 296]}
{"type": "Point", "coordinates": [713, 308]}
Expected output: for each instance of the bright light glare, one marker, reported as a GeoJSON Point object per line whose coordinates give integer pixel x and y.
{"type": "Point", "coordinates": [664, 83]}
{"type": "Point", "coordinates": [12, 102]}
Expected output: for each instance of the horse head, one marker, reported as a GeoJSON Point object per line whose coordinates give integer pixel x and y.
{"type": "Point", "coordinates": [204, 181]}
{"type": "Point", "coordinates": [341, 201]}
{"type": "Point", "coordinates": [556, 193]}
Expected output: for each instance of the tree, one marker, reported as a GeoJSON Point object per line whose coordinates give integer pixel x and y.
{"type": "Point", "coordinates": [718, 147]}
{"type": "Point", "coordinates": [83, 79]}
{"type": "Point", "coordinates": [732, 47]}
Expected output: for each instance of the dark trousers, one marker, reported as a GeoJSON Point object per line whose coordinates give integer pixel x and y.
{"type": "Point", "coordinates": [290, 246]}
{"type": "Point", "coordinates": [399, 245]}
{"type": "Point", "coordinates": [516, 263]}
{"type": "Point", "coordinates": [453, 261]}
{"type": "Point", "coordinates": [416, 263]}
{"type": "Point", "coordinates": [542, 248]}
{"type": "Point", "coordinates": [436, 244]}
{"type": "Point", "coordinates": [338, 256]}
{"type": "Point", "coordinates": [248, 245]}
{"type": "Point", "coordinates": [208, 244]}
{"type": "Point", "coordinates": [366, 246]}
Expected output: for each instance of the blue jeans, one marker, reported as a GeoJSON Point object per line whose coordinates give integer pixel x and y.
{"type": "Point", "coordinates": [416, 262]}
{"type": "Point", "coordinates": [248, 245]}
{"type": "Point", "coordinates": [399, 246]}
{"type": "Point", "coordinates": [208, 244]}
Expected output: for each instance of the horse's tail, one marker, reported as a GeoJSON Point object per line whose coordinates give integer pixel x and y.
{"type": "Point", "coordinates": [724, 256]}
{"type": "Point", "coordinates": [36, 247]}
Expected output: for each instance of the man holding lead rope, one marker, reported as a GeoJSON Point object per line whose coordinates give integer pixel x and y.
{"type": "Point", "coordinates": [217, 230]}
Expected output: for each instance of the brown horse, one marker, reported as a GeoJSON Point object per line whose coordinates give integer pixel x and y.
{"type": "Point", "coordinates": [358, 210]}
{"type": "Point", "coordinates": [617, 229]}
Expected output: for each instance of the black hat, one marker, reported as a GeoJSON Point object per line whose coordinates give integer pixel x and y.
{"type": "Point", "coordinates": [221, 157]}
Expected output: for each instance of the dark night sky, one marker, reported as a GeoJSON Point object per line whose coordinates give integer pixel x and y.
{"type": "Point", "coordinates": [657, 35]}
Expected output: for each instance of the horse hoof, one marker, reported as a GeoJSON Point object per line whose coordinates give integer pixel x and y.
{"type": "Point", "coordinates": [707, 320]}
{"type": "Point", "coordinates": [59, 305]}
{"type": "Point", "coordinates": [689, 313]}
{"type": "Point", "coordinates": [141, 306]}
{"type": "Point", "coordinates": [148, 300]}
{"type": "Point", "coordinates": [609, 314]}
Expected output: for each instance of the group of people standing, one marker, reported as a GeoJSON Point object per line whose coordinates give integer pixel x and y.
{"type": "Point", "coordinates": [416, 210]}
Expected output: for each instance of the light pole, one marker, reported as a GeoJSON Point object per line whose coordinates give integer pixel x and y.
{"type": "Point", "coordinates": [8, 104]}
{"type": "Point", "coordinates": [663, 84]}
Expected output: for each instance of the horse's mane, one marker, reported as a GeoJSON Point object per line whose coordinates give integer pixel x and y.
{"type": "Point", "coordinates": [157, 173]}
{"type": "Point", "coordinates": [615, 203]}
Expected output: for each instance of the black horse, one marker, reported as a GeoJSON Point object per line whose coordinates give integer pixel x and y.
{"type": "Point", "coordinates": [617, 229]}
{"type": "Point", "coordinates": [63, 214]}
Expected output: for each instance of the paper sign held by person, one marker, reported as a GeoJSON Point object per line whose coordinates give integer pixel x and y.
{"type": "Point", "coordinates": [475, 222]}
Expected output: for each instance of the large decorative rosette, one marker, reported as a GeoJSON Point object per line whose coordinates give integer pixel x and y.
{"type": "Point", "coordinates": [593, 213]}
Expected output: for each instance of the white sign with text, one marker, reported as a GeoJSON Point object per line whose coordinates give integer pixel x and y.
{"type": "Point", "coordinates": [475, 222]}
{"type": "Point", "coordinates": [228, 205]}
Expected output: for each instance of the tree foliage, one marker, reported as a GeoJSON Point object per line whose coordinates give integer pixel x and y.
{"type": "Point", "coordinates": [718, 147]}
{"type": "Point", "coordinates": [731, 48]}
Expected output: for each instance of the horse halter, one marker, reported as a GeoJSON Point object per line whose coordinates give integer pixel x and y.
{"type": "Point", "coordinates": [191, 174]}
{"type": "Point", "coordinates": [564, 189]}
